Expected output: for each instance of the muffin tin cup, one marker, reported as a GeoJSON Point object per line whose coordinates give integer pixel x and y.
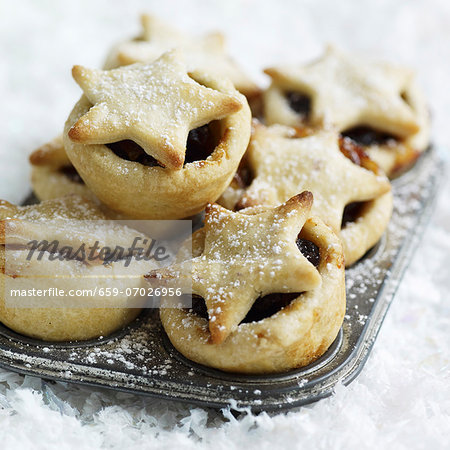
{"type": "Point", "coordinates": [140, 358]}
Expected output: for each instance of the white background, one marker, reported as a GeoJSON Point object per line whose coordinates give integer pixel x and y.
{"type": "Point", "coordinates": [402, 398]}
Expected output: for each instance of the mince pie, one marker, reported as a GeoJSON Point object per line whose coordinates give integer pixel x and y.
{"type": "Point", "coordinates": [67, 222]}
{"type": "Point", "coordinates": [340, 175]}
{"type": "Point", "coordinates": [204, 53]}
{"type": "Point", "coordinates": [268, 289]}
{"type": "Point", "coordinates": [53, 175]}
{"type": "Point", "coordinates": [154, 142]}
{"type": "Point", "coordinates": [377, 105]}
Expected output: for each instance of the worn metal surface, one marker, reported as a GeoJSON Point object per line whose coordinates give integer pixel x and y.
{"type": "Point", "coordinates": [140, 358]}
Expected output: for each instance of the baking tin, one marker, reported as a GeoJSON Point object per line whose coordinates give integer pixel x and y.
{"type": "Point", "coordinates": [140, 358]}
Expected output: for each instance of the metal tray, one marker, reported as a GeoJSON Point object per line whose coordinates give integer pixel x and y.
{"type": "Point", "coordinates": [140, 358]}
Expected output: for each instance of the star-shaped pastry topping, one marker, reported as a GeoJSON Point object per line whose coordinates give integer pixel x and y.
{"type": "Point", "coordinates": [247, 256]}
{"type": "Point", "coordinates": [346, 91]}
{"type": "Point", "coordinates": [206, 53]}
{"type": "Point", "coordinates": [154, 105]}
{"type": "Point", "coordinates": [158, 37]}
{"type": "Point", "coordinates": [284, 164]}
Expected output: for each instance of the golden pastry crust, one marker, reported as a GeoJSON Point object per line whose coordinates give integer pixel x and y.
{"type": "Point", "coordinates": [155, 192]}
{"type": "Point", "coordinates": [396, 156]}
{"type": "Point", "coordinates": [50, 167]}
{"type": "Point", "coordinates": [293, 337]}
{"type": "Point", "coordinates": [200, 53]}
{"type": "Point", "coordinates": [50, 154]}
{"type": "Point", "coordinates": [63, 324]}
{"type": "Point", "coordinates": [362, 234]}
{"type": "Point", "coordinates": [345, 93]}
{"type": "Point", "coordinates": [53, 176]}
{"type": "Point", "coordinates": [97, 315]}
{"type": "Point", "coordinates": [283, 163]}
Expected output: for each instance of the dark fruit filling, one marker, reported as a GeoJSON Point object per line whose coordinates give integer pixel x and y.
{"type": "Point", "coordinates": [130, 151]}
{"type": "Point", "coordinates": [356, 154]}
{"type": "Point", "coordinates": [309, 250]}
{"type": "Point", "coordinates": [299, 103]}
{"type": "Point", "coordinates": [351, 213]}
{"type": "Point", "coordinates": [241, 180]}
{"type": "Point", "coordinates": [365, 136]}
{"type": "Point", "coordinates": [243, 176]}
{"type": "Point", "coordinates": [71, 173]}
{"type": "Point", "coordinates": [368, 136]}
{"type": "Point", "coordinates": [351, 150]}
{"type": "Point", "coordinates": [199, 306]}
{"type": "Point", "coordinates": [270, 304]}
{"type": "Point", "coordinates": [200, 144]}
{"type": "Point", "coordinates": [262, 308]}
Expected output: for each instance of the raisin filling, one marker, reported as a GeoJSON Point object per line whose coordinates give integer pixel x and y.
{"type": "Point", "coordinates": [130, 151]}
{"type": "Point", "coordinates": [351, 213]}
{"type": "Point", "coordinates": [300, 103]}
{"type": "Point", "coordinates": [270, 304]}
{"type": "Point", "coordinates": [356, 154]}
{"type": "Point", "coordinates": [71, 173]}
{"type": "Point", "coordinates": [243, 176]}
{"type": "Point", "coordinates": [368, 136]}
{"type": "Point", "coordinates": [199, 306]}
{"type": "Point", "coordinates": [200, 144]}
{"type": "Point", "coordinates": [309, 250]}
